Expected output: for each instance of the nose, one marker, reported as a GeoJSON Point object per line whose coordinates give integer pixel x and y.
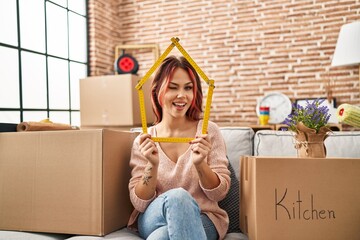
{"type": "Point", "coordinates": [181, 94]}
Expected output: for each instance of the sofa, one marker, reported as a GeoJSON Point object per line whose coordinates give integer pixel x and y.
{"type": "Point", "coordinates": [240, 141]}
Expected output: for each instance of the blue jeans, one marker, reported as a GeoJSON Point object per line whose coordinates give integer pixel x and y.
{"type": "Point", "coordinates": [175, 215]}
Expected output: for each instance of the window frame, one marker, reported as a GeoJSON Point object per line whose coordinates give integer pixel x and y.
{"type": "Point", "coordinates": [20, 49]}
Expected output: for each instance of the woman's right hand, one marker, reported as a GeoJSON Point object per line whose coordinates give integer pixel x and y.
{"type": "Point", "coordinates": [148, 149]}
{"type": "Point", "coordinates": [146, 187]}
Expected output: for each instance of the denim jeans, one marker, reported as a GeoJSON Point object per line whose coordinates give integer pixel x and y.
{"type": "Point", "coordinates": [175, 215]}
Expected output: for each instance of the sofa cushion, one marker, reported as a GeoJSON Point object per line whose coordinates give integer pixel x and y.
{"type": "Point", "coordinates": [281, 143]}
{"type": "Point", "coordinates": [122, 234]}
{"type": "Point", "coordinates": [343, 144]}
{"type": "Point", "coordinates": [126, 234]}
{"type": "Point", "coordinates": [231, 203]}
{"type": "Point", "coordinates": [274, 143]}
{"type": "Point", "coordinates": [17, 235]}
{"type": "Point", "coordinates": [239, 142]}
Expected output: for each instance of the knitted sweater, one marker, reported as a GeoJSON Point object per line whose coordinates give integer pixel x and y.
{"type": "Point", "coordinates": [183, 174]}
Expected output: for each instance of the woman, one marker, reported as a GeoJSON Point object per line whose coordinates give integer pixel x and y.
{"type": "Point", "coordinates": [175, 187]}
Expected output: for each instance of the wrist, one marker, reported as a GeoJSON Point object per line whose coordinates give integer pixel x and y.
{"type": "Point", "coordinates": [199, 164]}
{"type": "Point", "coordinates": [152, 165]}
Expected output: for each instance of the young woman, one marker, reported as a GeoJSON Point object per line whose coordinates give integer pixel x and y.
{"type": "Point", "coordinates": [175, 187]}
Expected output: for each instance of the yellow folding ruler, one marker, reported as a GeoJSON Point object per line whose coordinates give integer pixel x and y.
{"type": "Point", "coordinates": [175, 43]}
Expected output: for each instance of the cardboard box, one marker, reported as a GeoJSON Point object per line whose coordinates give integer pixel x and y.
{"type": "Point", "coordinates": [298, 198]}
{"type": "Point", "coordinates": [113, 101]}
{"type": "Point", "coordinates": [72, 182]}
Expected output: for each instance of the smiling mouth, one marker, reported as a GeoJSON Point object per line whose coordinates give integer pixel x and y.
{"type": "Point", "coordinates": [179, 104]}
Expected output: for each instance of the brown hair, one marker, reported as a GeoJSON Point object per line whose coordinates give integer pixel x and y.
{"type": "Point", "coordinates": [161, 82]}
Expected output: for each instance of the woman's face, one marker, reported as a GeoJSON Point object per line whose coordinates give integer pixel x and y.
{"type": "Point", "coordinates": [179, 95]}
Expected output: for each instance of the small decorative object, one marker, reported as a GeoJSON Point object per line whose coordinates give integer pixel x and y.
{"type": "Point", "coordinates": [126, 64]}
{"type": "Point", "coordinates": [310, 126]}
{"type": "Point", "coordinates": [264, 115]}
{"type": "Point", "coordinates": [349, 114]}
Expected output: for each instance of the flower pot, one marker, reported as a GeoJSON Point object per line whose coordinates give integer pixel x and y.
{"type": "Point", "coordinates": [309, 143]}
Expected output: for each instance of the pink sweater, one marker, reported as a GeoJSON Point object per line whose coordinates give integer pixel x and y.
{"type": "Point", "coordinates": [183, 174]}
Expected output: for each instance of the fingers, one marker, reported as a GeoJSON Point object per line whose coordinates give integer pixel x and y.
{"type": "Point", "coordinates": [148, 148]}
{"type": "Point", "coordinates": [149, 151]}
{"type": "Point", "coordinates": [146, 142]}
{"type": "Point", "coordinates": [144, 136]}
{"type": "Point", "coordinates": [201, 144]}
{"type": "Point", "coordinates": [202, 139]}
{"type": "Point", "coordinates": [147, 145]}
{"type": "Point", "coordinates": [200, 149]}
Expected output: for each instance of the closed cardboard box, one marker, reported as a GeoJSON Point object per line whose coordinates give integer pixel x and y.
{"type": "Point", "coordinates": [300, 198]}
{"type": "Point", "coordinates": [72, 182]}
{"type": "Point", "coordinates": [113, 101]}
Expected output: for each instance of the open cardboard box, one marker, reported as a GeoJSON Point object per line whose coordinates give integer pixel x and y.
{"type": "Point", "coordinates": [73, 182]}
{"type": "Point", "coordinates": [300, 198]}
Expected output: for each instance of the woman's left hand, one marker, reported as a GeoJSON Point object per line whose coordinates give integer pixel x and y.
{"type": "Point", "coordinates": [200, 147]}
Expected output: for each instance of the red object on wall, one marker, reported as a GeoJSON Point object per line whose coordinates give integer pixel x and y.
{"type": "Point", "coordinates": [126, 64]}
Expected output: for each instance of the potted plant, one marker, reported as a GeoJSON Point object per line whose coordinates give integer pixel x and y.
{"type": "Point", "coordinates": [310, 126]}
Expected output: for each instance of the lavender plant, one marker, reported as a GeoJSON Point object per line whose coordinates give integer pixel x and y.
{"type": "Point", "coordinates": [312, 115]}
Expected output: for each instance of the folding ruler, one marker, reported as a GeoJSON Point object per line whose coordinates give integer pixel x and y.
{"type": "Point", "coordinates": [175, 43]}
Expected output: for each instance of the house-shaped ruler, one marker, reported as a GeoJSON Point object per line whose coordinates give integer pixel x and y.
{"type": "Point", "coordinates": [175, 43]}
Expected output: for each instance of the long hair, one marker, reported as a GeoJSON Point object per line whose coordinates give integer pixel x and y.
{"type": "Point", "coordinates": [162, 80]}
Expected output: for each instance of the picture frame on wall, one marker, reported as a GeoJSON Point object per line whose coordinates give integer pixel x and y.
{"type": "Point", "coordinates": [330, 103]}
{"type": "Point", "coordinates": [327, 102]}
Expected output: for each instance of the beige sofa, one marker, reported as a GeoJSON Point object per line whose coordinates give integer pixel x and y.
{"type": "Point", "coordinates": [240, 141]}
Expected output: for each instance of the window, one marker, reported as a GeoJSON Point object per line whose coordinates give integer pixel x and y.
{"type": "Point", "coordinates": [42, 57]}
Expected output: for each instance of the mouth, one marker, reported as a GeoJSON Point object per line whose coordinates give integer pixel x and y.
{"type": "Point", "coordinates": [179, 105]}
